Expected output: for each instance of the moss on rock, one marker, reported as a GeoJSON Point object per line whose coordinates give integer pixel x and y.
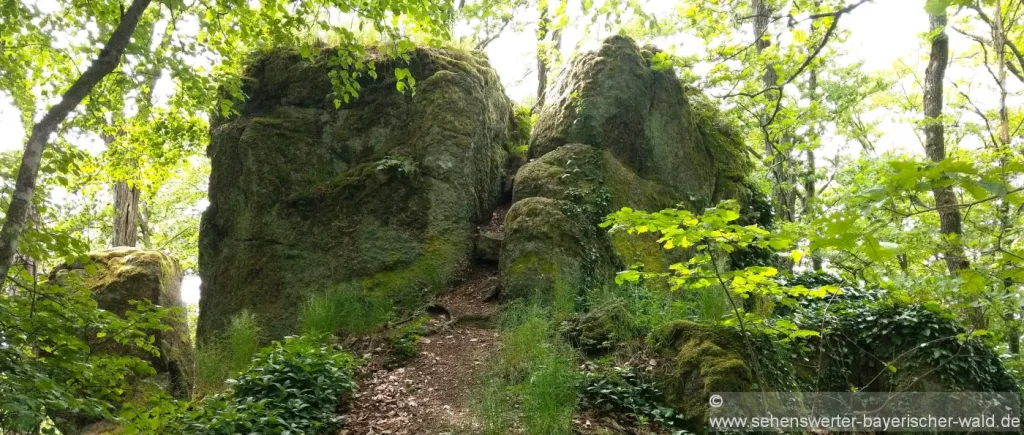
{"type": "Point", "coordinates": [613, 132]}
{"type": "Point", "coordinates": [698, 360]}
{"type": "Point", "coordinates": [382, 193]}
{"type": "Point", "coordinates": [614, 100]}
{"type": "Point", "coordinates": [119, 276]}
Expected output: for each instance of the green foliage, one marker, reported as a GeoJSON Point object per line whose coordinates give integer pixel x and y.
{"type": "Point", "coordinates": [535, 372]}
{"type": "Point", "coordinates": [51, 360]}
{"type": "Point", "coordinates": [493, 406]}
{"type": "Point", "coordinates": [405, 340]}
{"type": "Point", "coordinates": [708, 236]}
{"type": "Point", "coordinates": [626, 391]}
{"type": "Point", "coordinates": [221, 358]}
{"type": "Point", "coordinates": [525, 119]}
{"type": "Point", "coordinates": [893, 347]}
{"type": "Point", "coordinates": [290, 387]}
{"type": "Point", "coordinates": [346, 310]}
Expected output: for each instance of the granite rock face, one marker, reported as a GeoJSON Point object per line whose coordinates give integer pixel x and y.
{"type": "Point", "coordinates": [615, 131]}
{"type": "Point", "coordinates": [382, 193]}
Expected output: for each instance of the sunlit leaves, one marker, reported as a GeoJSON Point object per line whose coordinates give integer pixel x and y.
{"type": "Point", "coordinates": [706, 238]}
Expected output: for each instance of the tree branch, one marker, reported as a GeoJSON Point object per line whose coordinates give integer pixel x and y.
{"type": "Point", "coordinates": [107, 60]}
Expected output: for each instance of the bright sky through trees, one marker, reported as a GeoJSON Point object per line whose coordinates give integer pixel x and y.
{"type": "Point", "coordinates": [883, 33]}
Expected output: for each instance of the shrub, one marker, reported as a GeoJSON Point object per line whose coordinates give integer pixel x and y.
{"type": "Point", "coordinates": [626, 391]}
{"type": "Point", "coordinates": [291, 387]}
{"type": "Point", "coordinates": [51, 358]}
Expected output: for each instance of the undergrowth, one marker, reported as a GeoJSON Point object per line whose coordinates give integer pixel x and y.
{"type": "Point", "coordinates": [344, 310]}
{"type": "Point", "coordinates": [626, 391]}
{"type": "Point", "coordinates": [232, 351]}
{"type": "Point", "coordinates": [533, 380]}
{"type": "Point", "coordinates": [291, 387]}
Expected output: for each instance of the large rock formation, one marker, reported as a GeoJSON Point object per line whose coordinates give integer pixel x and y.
{"type": "Point", "coordinates": [614, 132]}
{"type": "Point", "coordinates": [383, 193]}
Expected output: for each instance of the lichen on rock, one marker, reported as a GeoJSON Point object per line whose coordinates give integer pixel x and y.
{"type": "Point", "coordinates": [383, 192]}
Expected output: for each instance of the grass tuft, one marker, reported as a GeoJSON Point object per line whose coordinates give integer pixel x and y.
{"type": "Point", "coordinates": [345, 310]}
{"type": "Point", "coordinates": [225, 356]}
{"type": "Point", "coordinates": [535, 372]}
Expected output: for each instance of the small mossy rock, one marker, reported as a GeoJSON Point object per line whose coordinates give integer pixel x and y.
{"type": "Point", "coordinates": [698, 360]}
{"type": "Point", "coordinates": [383, 193]}
{"type": "Point", "coordinates": [115, 278]}
{"type": "Point", "coordinates": [599, 330]}
{"type": "Point", "coordinates": [119, 276]}
{"type": "Point", "coordinates": [545, 260]}
{"type": "Point", "coordinates": [487, 247]}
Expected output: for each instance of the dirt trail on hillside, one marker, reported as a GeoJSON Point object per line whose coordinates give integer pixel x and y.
{"type": "Point", "coordinates": [433, 392]}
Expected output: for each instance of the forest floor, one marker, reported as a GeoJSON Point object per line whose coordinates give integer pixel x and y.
{"type": "Point", "coordinates": [433, 392]}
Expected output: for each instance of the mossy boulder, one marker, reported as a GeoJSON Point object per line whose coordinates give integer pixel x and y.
{"type": "Point", "coordinates": [698, 360]}
{"type": "Point", "coordinates": [602, 329]}
{"type": "Point", "coordinates": [932, 352]}
{"type": "Point", "coordinates": [860, 346]}
{"type": "Point", "coordinates": [487, 248]}
{"type": "Point", "coordinates": [115, 278]}
{"type": "Point", "coordinates": [614, 132]}
{"type": "Point", "coordinates": [383, 193]}
{"type": "Point", "coordinates": [119, 276]}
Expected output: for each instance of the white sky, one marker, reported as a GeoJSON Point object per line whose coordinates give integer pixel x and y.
{"type": "Point", "coordinates": [882, 32]}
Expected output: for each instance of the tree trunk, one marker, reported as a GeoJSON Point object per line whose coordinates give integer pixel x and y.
{"type": "Point", "coordinates": [778, 161]}
{"type": "Point", "coordinates": [147, 241]}
{"type": "Point", "coordinates": [126, 213]}
{"type": "Point", "coordinates": [761, 16]}
{"type": "Point", "coordinates": [126, 199]}
{"type": "Point", "coordinates": [108, 59]}
{"type": "Point", "coordinates": [810, 177]}
{"type": "Point", "coordinates": [934, 143]}
{"type": "Point", "coordinates": [950, 225]}
{"type": "Point", "coordinates": [999, 40]}
{"type": "Point", "coordinates": [543, 24]}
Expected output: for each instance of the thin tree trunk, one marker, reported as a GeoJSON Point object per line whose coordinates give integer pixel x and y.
{"type": "Point", "coordinates": [126, 213]}
{"type": "Point", "coordinates": [810, 180]}
{"type": "Point", "coordinates": [543, 25]}
{"type": "Point", "coordinates": [126, 199]}
{"type": "Point", "coordinates": [782, 184]}
{"type": "Point", "coordinates": [999, 40]}
{"type": "Point", "coordinates": [761, 16]}
{"type": "Point", "coordinates": [950, 225]}
{"type": "Point", "coordinates": [144, 231]}
{"type": "Point", "coordinates": [935, 147]}
{"type": "Point", "coordinates": [28, 172]}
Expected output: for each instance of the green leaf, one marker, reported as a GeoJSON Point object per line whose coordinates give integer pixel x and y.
{"type": "Point", "coordinates": [936, 7]}
{"type": "Point", "coordinates": [974, 283]}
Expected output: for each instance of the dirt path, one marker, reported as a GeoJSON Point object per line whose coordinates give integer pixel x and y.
{"type": "Point", "coordinates": [433, 393]}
